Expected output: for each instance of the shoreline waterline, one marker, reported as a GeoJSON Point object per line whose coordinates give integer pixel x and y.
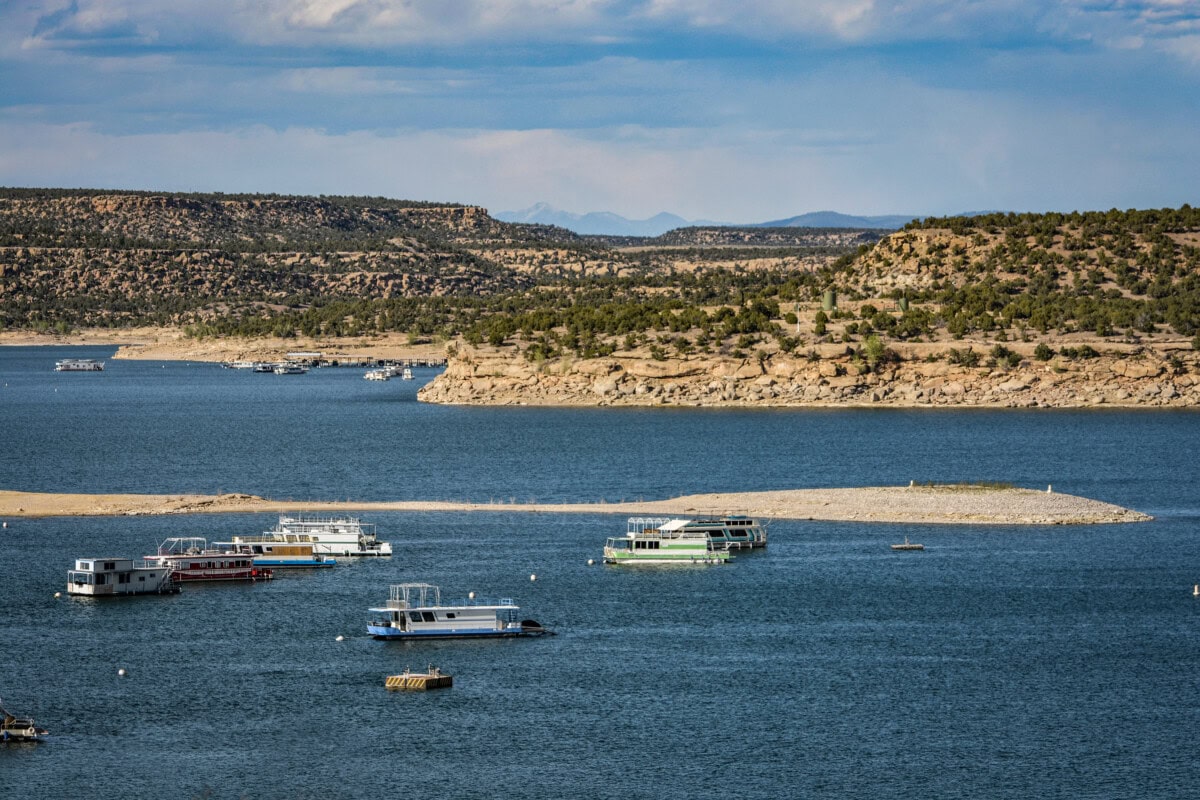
{"type": "Point", "coordinates": [938, 504]}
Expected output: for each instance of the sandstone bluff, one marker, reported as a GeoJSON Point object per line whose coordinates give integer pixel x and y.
{"type": "Point", "coordinates": [1149, 379]}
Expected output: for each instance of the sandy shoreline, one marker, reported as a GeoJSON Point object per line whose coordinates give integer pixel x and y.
{"type": "Point", "coordinates": [895, 504]}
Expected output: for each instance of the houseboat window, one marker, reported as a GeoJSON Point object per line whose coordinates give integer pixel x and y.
{"type": "Point", "coordinates": [450, 615]}
{"type": "Point", "coordinates": [100, 579]}
{"type": "Point", "coordinates": [428, 616]}
{"type": "Point", "coordinates": [415, 616]}
{"type": "Point", "coordinates": [123, 577]}
{"type": "Point", "coordinates": [141, 578]}
{"type": "Point", "coordinates": [110, 565]}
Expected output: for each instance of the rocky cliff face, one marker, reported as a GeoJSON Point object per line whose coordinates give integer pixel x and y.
{"type": "Point", "coordinates": [1146, 379]}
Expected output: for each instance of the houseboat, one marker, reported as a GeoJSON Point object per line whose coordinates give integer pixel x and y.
{"type": "Point", "coordinates": [724, 533]}
{"type": "Point", "coordinates": [647, 542]}
{"type": "Point", "coordinates": [115, 577]}
{"type": "Point", "coordinates": [290, 369]}
{"type": "Point", "coordinates": [19, 729]}
{"type": "Point", "coordinates": [381, 374]}
{"type": "Point", "coordinates": [79, 365]}
{"type": "Point", "coordinates": [269, 553]}
{"type": "Point", "coordinates": [330, 536]}
{"type": "Point", "coordinates": [416, 611]}
{"type": "Point", "coordinates": [407, 375]}
{"type": "Point", "coordinates": [193, 560]}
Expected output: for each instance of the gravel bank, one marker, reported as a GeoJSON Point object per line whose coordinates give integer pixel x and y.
{"type": "Point", "coordinates": [910, 504]}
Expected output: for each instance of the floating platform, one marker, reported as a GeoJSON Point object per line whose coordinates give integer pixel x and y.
{"type": "Point", "coordinates": [907, 545]}
{"type": "Point", "coordinates": [418, 681]}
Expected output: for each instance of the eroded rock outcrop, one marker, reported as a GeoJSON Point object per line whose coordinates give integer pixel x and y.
{"type": "Point", "coordinates": [489, 378]}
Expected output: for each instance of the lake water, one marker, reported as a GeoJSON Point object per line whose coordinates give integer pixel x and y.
{"type": "Point", "coordinates": [1001, 662]}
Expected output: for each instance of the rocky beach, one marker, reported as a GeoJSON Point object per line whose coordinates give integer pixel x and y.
{"type": "Point", "coordinates": [952, 504]}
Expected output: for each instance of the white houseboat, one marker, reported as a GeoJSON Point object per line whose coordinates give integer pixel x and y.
{"type": "Point", "coordinates": [113, 577]}
{"type": "Point", "coordinates": [645, 542]}
{"type": "Point", "coordinates": [79, 365]}
{"type": "Point", "coordinates": [416, 611]}
{"type": "Point", "coordinates": [19, 729]}
{"type": "Point", "coordinates": [269, 553]}
{"type": "Point", "coordinates": [290, 369]}
{"type": "Point", "coordinates": [193, 560]}
{"type": "Point", "coordinates": [331, 536]}
{"type": "Point", "coordinates": [724, 533]}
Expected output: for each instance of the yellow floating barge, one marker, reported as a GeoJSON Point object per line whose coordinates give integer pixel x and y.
{"type": "Point", "coordinates": [419, 681]}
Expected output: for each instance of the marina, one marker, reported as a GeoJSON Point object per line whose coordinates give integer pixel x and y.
{"type": "Point", "coordinates": [117, 577]}
{"type": "Point", "coordinates": [650, 541]}
{"type": "Point", "coordinates": [416, 611]}
{"type": "Point", "coordinates": [191, 559]}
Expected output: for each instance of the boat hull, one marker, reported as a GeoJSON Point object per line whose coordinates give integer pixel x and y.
{"type": "Point", "coordinates": [380, 632]}
{"type": "Point", "coordinates": [23, 734]}
{"type": "Point", "coordinates": [295, 563]}
{"type": "Point", "coordinates": [703, 559]}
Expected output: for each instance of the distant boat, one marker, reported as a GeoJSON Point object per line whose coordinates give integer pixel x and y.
{"type": "Point", "coordinates": [907, 545]}
{"type": "Point", "coordinates": [112, 577]}
{"type": "Point", "coordinates": [416, 611]}
{"type": "Point", "coordinates": [723, 532]}
{"type": "Point", "coordinates": [329, 535]}
{"type": "Point", "coordinates": [192, 559]}
{"type": "Point", "coordinates": [406, 375]}
{"type": "Point", "coordinates": [290, 369]}
{"type": "Point", "coordinates": [267, 552]}
{"type": "Point", "coordinates": [19, 729]}
{"type": "Point", "coordinates": [645, 542]}
{"type": "Point", "coordinates": [79, 365]}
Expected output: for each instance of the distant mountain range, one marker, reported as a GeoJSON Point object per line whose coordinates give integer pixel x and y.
{"type": "Point", "coordinates": [605, 223]}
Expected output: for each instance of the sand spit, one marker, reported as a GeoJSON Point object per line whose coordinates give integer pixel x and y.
{"type": "Point", "coordinates": [958, 504]}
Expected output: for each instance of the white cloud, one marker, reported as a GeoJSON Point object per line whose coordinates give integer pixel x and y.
{"type": "Point", "coordinates": [390, 23]}
{"type": "Point", "coordinates": [967, 154]}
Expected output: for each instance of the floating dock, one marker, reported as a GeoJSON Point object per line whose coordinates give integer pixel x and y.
{"type": "Point", "coordinates": [419, 681]}
{"type": "Point", "coordinates": [907, 545]}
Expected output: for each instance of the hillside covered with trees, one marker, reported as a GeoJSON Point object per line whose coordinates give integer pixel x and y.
{"type": "Point", "coordinates": [228, 265]}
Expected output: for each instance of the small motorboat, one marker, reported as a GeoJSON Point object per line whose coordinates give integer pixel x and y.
{"type": "Point", "coordinates": [19, 729]}
{"type": "Point", "coordinates": [907, 545]}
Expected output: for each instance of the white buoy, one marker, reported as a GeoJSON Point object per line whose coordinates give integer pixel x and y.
{"type": "Point", "coordinates": [470, 595]}
{"type": "Point", "coordinates": [121, 672]}
{"type": "Point", "coordinates": [1196, 590]}
{"type": "Point", "coordinates": [57, 595]}
{"type": "Point", "coordinates": [340, 638]}
{"type": "Point", "coordinates": [1049, 489]}
{"type": "Point", "coordinates": [591, 561]}
{"type": "Point", "coordinates": [3, 524]}
{"type": "Point", "coordinates": [533, 577]}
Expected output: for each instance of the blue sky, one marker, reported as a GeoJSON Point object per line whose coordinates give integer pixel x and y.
{"type": "Point", "coordinates": [735, 111]}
